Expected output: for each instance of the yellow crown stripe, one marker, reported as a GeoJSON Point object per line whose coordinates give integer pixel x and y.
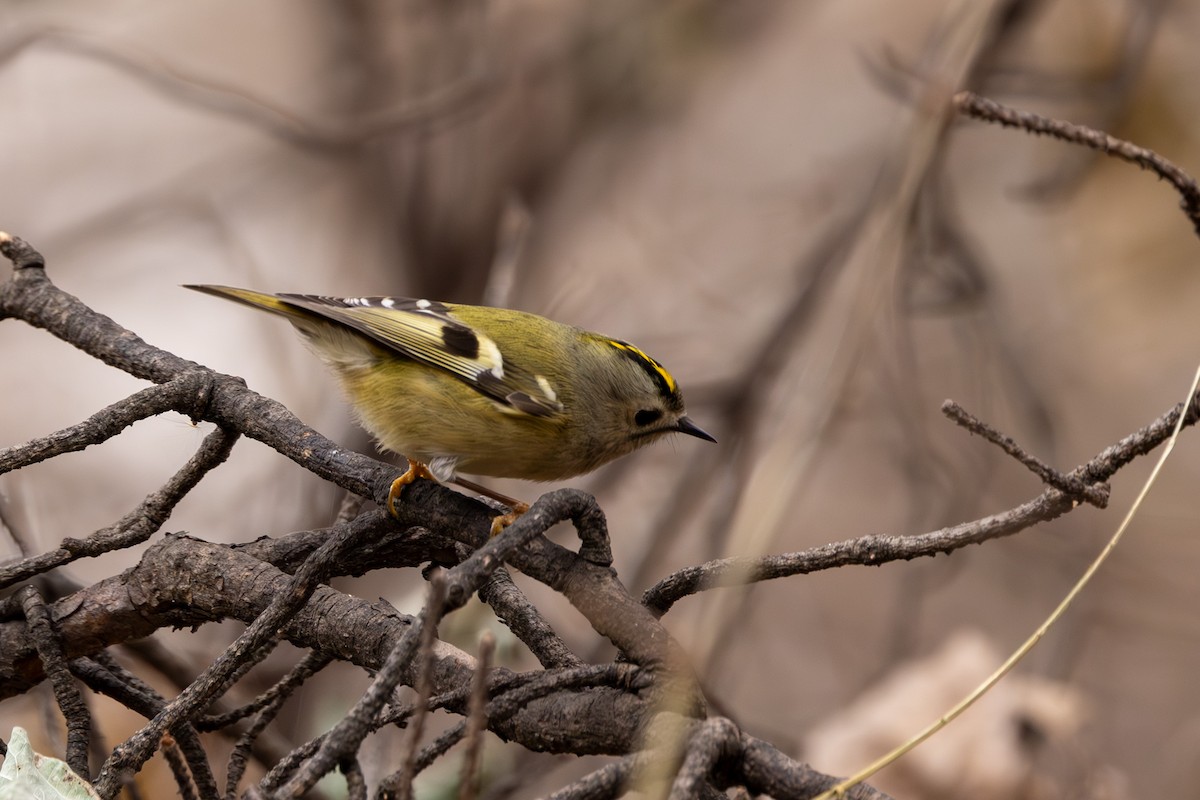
{"type": "Point", "coordinates": [654, 366]}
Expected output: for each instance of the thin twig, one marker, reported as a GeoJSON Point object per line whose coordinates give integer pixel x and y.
{"type": "Point", "coordinates": [103, 425]}
{"type": "Point", "coordinates": [876, 549]}
{"type": "Point", "coordinates": [449, 101]}
{"type": "Point", "coordinates": [1097, 494]}
{"type": "Point", "coordinates": [526, 622]}
{"type": "Point", "coordinates": [870, 770]}
{"type": "Point", "coordinates": [105, 676]}
{"type": "Point", "coordinates": [346, 736]}
{"type": "Point", "coordinates": [70, 701]}
{"type": "Point", "coordinates": [470, 775]}
{"type": "Point", "coordinates": [179, 768]}
{"type": "Point", "coordinates": [402, 787]}
{"type": "Point", "coordinates": [311, 664]}
{"type": "Point", "coordinates": [982, 108]}
{"type": "Point", "coordinates": [275, 698]}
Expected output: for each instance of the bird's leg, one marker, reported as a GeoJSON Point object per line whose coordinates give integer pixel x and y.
{"type": "Point", "coordinates": [504, 520]}
{"type": "Point", "coordinates": [415, 470]}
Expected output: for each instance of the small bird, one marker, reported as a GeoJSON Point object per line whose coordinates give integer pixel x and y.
{"type": "Point", "coordinates": [481, 390]}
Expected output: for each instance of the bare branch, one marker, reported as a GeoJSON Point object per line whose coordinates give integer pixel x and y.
{"type": "Point", "coordinates": [275, 698]}
{"type": "Point", "coordinates": [526, 622]}
{"type": "Point", "coordinates": [49, 647]}
{"type": "Point", "coordinates": [877, 549]}
{"type": "Point", "coordinates": [104, 676]}
{"type": "Point", "coordinates": [467, 94]}
{"type": "Point", "coordinates": [140, 524]}
{"type": "Point", "coordinates": [1097, 495]}
{"type": "Point", "coordinates": [248, 647]}
{"type": "Point", "coordinates": [345, 737]}
{"type": "Point", "coordinates": [477, 721]}
{"type": "Point", "coordinates": [982, 108]}
{"type": "Point", "coordinates": [179, 768]}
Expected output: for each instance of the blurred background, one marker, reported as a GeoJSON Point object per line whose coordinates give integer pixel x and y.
{"type": "Point", "coordinates": [768, 197]}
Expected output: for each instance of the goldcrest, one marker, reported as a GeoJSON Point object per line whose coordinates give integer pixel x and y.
{"type": "Point", "coordinates": [484, 391]}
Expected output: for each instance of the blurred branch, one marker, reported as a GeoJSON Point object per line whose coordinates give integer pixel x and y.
{"type": "Point", "coordinates": [470, 776]}
{"type": "Point", "coordinates": [236, 103]}
{"type": "Point", "coordinates": [1108, 95]}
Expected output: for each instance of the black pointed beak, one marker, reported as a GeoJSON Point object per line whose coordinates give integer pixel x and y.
{"type": "Point", "coordinates": [685, 425]}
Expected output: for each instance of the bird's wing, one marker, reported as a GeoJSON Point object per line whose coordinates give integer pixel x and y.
{"type": "Point", "coordinates": [428, 332]}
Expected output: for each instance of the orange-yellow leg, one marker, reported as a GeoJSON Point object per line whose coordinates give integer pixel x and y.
{"type": "Point", "coordinates": [415, 470]}
{"type": "Point", "coordinates": [504, 520]}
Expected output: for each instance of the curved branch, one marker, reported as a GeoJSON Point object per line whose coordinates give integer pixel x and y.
{"type": "Point", "coordinates": [988, 110]}
{"type": "Point", "coordinates": [877, 549]}
{"type": "Point", "coordinates": [448, 102]}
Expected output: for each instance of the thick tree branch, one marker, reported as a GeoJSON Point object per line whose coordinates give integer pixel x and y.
{"type": "Point", "coordinates": [182, 582]}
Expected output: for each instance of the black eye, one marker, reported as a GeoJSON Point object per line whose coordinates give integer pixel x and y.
{"type": "Point", "coordinates": [647, 416]}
